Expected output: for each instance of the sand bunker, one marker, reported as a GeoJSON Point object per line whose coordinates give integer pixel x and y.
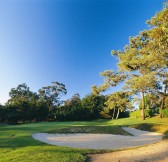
{"type": "Point", "coordinates": [157, 152]}
{"type": "Point", "coordinates": [100, 141]}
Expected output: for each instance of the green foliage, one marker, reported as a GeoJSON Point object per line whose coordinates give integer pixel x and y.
{"type": "Point", "coordinates": [146, 56]}
{"type": "Point", "coordinates": [72, 110]}
{"type": "Point", "coordinates": [165, 113]}
{"type": "Point", "coordinates": [166, 103]}
{"type": "Point", "coordinates": [119, 101]}
{"type": "Point", "coordinates": [135, 114]}
{"type": "Point", "coordinates": [144, 60]}
{"type": "Point", "coordinates": [2, 113]}
{"type": "Point", "coordinates": [138, 113]}
{"type": "Point", "coordinates": [111, 114]}
{"type": "Point", "coordinates": [147, 103]}
{"type": "Point", "coordinates": [152, 103]}
{"type": "Point", "coordinates": [41, 111]}
{"type": "Point", "coordinates": [94, 104]}
{"type": "Point", "coordinates": [116, 101]}
{"type": "Point", "coordinates": [51, 96]}
{"type": "Point", "coordinates": [111, 79]}
{"type": "Point", "coordinates": [20, 112]}
{"type": "Point", "coordinates": [88, 108]}
{"type": "Point", "coordinates": [26, 106]}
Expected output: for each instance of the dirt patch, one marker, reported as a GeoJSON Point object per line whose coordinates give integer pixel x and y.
{"type": "Point", "coordinates": [157, 152]}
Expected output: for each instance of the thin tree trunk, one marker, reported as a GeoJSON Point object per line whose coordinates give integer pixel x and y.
{"type": "Point", "coordinates": [117, 114]}
{"type": "Point", "coordinates": [143, 106]}
{"type": "Point", "coordinates": [163, 102]}
{"type": "Point", "coordinates": [113, 113]}
{"type": "Point", "coordinates": [161, 107]}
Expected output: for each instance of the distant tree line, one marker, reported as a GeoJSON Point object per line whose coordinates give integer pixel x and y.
{"type": "Point", "coordinates": [46, 105]}
{"type": "Point", "coordinates": [25, 105]}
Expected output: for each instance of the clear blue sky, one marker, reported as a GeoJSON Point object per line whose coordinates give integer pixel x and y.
{"type": "Point", "coordinates": [68, 41]}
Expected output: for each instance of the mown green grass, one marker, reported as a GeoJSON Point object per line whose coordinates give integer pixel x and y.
{"type": "Point", "coordinates": [16, 143]}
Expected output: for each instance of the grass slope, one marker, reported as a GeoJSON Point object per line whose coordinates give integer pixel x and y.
{"type": "Point", "coordinates": [16, 143]}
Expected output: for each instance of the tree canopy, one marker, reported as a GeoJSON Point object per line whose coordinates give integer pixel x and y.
{"type": "Point", "coordinates": [142, 64]}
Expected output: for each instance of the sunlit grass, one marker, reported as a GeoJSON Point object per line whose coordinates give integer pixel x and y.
{"type": "Point", "coordinates": [16, 143]}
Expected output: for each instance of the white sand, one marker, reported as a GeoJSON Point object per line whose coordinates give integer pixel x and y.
{"type": "Point", "coordinates": [100, 141]}
{"type": "Point", "coordinates": [157, 152]}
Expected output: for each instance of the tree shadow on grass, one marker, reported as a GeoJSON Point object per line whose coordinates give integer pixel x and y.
{"type": "Point", "coordinates": [14, 141]}
{"type": "Point", "coordinates": [44, 126]}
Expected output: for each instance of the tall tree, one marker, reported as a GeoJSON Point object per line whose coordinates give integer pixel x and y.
{"type": "Point", "coordinates": [51, 95]}
{"type": "Point", "coordinates": [133, 60]}
{"type": "Point", "coordinates": [158, 47]}
{"type": "Point", "coordinates": [146, 53]}
{"type": "Point", "coordinates": [94, 105]}
{"type": "Point", "coordinates": [21, 105]}
{"type": "Point", "coordinates": [75, 99]}
{"type": "Point", "coordinates": [20, 93]}
{"type": "Point", "coordinates": [151, 53]}
{"type": "Point", "coordinates": [73, 107]}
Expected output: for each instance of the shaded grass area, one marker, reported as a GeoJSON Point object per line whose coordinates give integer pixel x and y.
{"type": "Point", "coordinates": [16, 143]}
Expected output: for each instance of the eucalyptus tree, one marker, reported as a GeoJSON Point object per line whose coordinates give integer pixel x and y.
{"type": "Point", "coordinates": [51, 95]}
{"type": "Point", "coordinates": [22, 103]}
{"type": "Point", "coordinates": [74, 100]}
{"type": "Point", "coordinates": [20, 93]}
{"type": "Point", "coordinates": [73, 107]}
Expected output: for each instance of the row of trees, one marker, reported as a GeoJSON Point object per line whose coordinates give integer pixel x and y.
{"type": "Point", "coordinates": [75, 108]}
{"type": "Point", "coordinates": [25, 105]}
{"type": "Point", "coordinates": [46, 105]}
{"type": "Point", "coordinates": [142, 67]}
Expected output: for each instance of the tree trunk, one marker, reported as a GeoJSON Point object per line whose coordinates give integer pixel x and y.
{"type": "Point", "coordinates": [143, 106]}
{"type": "Point", "coordinates": [117, 114]}
{"type": "Point", "coordinates": [162, 106]}
{"type": "Point", "coordinates": [163, 102]}
{"type": "Point", "coordinates": [113, 113]}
